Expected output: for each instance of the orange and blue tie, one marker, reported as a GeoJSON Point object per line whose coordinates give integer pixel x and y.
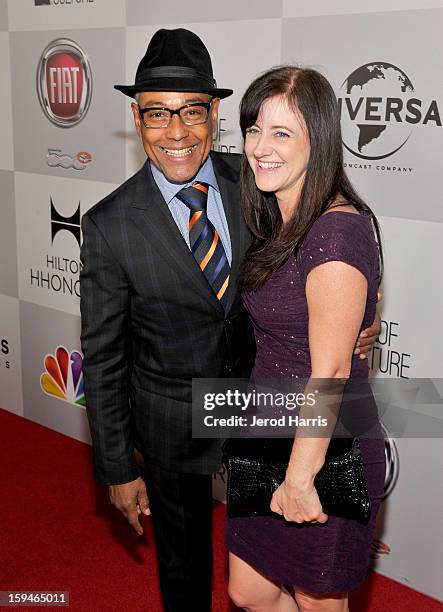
{"type": "Point", "coordinates": [204, 240]}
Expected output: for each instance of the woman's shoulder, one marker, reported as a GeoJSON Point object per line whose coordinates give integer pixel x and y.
{"type": "Point", "coordinates": [341, 206]}
{"type": "Point", "coordinates": [342, 234]}
{"type": "Point", "coordinates": [344, 221]}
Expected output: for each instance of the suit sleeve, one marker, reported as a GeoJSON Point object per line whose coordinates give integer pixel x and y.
{"type": "Point", "coordinates": [105, 340]}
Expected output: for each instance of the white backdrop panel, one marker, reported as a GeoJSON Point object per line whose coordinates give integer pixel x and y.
{"type": "Point", "coordinates": [98, 133]}
{"type": "Point", "coordinates": [407, 183]}
{"type": "Point", "coordinates": [43, 330]}
{"type": "Point", "coordinates": [170, 11]}
{"type": "Point", "coordinates": [48, 247]}
{"type": "Point", "coordinates": [305, 8]}
{"type": "Point", "coordinates": [6, 144]}
{"type": "Point", "coordinates": [82, 14]}
{"type": "Point", "coordinates": [3, 15]}
{"type": "Point", "coordinates": [8, 239]}
{"type": "Point", "coordinates": [10, 358]}
{"type": "Point", "coordinates": [412, 298]}
{"type": "Point", "coordinates": [410, 523]}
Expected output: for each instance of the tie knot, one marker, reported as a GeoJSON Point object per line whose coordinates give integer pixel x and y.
{"type": "Point", "coordinates": [195, 197]}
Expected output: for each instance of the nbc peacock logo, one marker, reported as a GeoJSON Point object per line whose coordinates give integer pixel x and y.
{"type": "Point", "coordinates": [63, 377]}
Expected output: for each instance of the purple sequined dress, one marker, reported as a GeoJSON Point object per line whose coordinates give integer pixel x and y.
{"type": "Point", "coordinates": [318, 558]}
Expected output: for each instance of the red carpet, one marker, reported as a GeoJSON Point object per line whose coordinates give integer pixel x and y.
{"type": "Point", "coordinates": [59, 533]}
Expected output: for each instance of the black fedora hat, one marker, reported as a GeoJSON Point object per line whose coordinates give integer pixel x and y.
{"type": "Point", "coordinates": [175, 60]}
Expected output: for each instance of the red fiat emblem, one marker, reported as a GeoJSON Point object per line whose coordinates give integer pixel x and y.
{"type": "Point", "coordinates": [64, 82]}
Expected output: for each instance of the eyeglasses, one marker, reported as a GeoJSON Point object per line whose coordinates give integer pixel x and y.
{"type": "Point", "coordinates": [160, 117]}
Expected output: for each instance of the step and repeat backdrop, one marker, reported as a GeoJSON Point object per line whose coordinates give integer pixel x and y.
{"type": "Point", "coordinates": [67, 140]}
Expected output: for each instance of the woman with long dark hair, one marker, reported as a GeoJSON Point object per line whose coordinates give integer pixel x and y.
{"type": "Point", "coordinates": [310, 283]}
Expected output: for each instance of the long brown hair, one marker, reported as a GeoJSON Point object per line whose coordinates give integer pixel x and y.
{"type": "Point", "coordinates": [308, 92]}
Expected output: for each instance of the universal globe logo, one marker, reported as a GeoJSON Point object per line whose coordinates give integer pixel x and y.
{"type": "Point", "coordinates": [392, 463]}
{"type": "Point", "coordinates": [379, 109]}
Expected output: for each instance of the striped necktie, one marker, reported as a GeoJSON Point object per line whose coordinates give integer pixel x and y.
{"type": "Point", "coordinates": [204, 240]}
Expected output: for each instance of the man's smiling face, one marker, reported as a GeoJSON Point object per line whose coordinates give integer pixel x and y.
{"type": "Point", "coordinates": [178, 150]}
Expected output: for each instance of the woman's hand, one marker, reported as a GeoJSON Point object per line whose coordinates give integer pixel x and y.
{"type": "Point", "coordinates": [298, 502]}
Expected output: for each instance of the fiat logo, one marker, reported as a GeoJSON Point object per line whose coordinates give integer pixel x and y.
{"type": "Point", "coordinates": [64, 82]}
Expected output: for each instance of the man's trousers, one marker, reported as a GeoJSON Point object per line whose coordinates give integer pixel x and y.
{"type": "Point", "coordinates": [181, 506]}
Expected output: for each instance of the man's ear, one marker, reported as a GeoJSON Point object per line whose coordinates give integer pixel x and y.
{"type": "Point", "coordinates": [214, 115]}
{"type": "Point", "coordinates": [135, 114]}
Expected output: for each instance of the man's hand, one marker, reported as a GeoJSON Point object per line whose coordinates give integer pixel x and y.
{"type": "Point", "coordinates": [131, 499]}
{"type": "Point", "coordinates": [368, 336]}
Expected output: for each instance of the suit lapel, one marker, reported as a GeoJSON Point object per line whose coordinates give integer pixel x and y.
{"type": "Point", "coordinates": [157, 222]}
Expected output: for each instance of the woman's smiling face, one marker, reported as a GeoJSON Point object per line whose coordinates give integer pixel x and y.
{"type": "Point", "coordinates": [277, 147]}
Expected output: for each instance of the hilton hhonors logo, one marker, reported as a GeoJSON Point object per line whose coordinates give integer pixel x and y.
{"type": "Point", "coordinates": [58, 273]}
{"type": "Point", "coordinates": [69, 224]}
{"type": "Point", "coordinates": [380, 108]}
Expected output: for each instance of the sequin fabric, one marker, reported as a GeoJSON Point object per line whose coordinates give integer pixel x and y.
{"type": "Point", "coordinates": [279, 310]}
{"type": "Point", "coordinates": [332, 557]}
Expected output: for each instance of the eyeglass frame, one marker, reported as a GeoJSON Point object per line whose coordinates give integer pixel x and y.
{"type": "Point", "coordinates": [172, 112]}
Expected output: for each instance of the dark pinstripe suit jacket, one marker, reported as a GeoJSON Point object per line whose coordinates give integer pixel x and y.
{"type": "Point", "coordinates": [151, 323]}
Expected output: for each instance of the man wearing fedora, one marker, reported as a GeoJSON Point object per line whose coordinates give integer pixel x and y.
{"type": "Point", "coordinates": [160, 306]}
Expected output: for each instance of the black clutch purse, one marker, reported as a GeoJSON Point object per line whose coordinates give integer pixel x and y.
{"type": "Point", "coordinates": [256, 467]}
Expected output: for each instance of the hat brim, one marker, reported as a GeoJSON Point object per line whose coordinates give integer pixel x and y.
{"type": "Point", "coordinates": [173, 85]}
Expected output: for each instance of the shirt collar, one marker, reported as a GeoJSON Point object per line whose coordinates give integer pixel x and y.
{"type": "Point", "coordinates": [169, 190]}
